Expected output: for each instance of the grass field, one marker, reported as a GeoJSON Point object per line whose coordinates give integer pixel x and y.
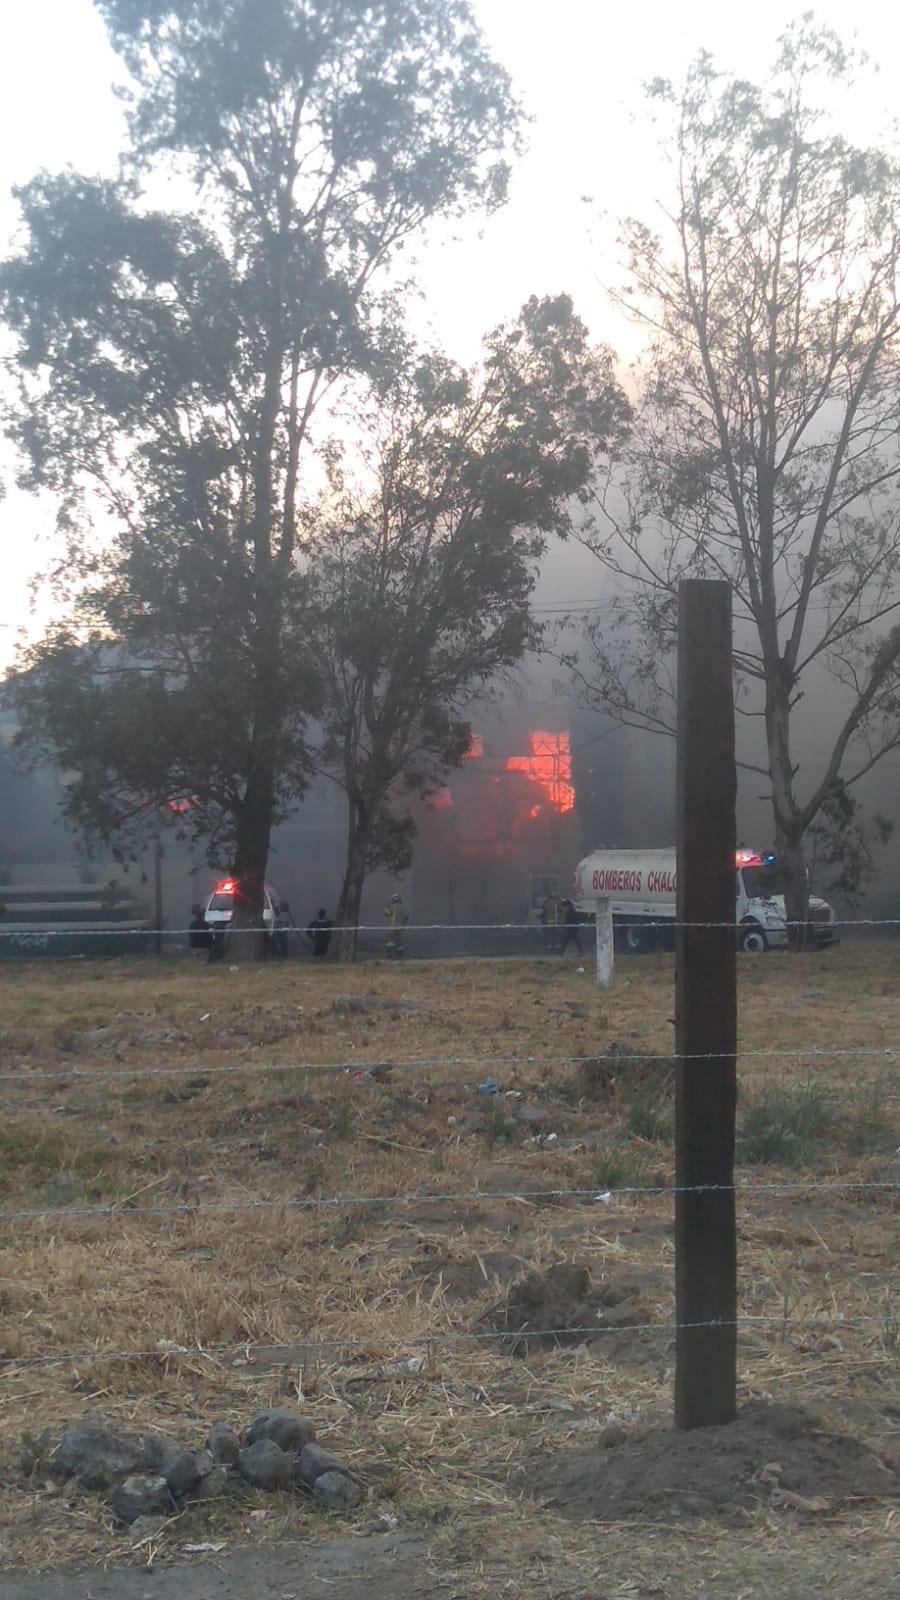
{"type": "Point", "coordinates": [472, 1442]}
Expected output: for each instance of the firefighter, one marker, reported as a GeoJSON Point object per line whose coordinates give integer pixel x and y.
{"type": "Point", "coordinates": [571, 929]}
{"type": "Point", "coordinates": [551, 917]}
{"type": "Point", "coordinates": [396, 917]}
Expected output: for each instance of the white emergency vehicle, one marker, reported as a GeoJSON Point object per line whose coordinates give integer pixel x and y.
{"type": "Point", "coordinates": [276, 915]}
{"type": "Point", "coordinates": [641, 887]}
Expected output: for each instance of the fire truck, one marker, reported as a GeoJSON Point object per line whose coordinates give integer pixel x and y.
{"type": "Point", "coordinates": [641, 886]}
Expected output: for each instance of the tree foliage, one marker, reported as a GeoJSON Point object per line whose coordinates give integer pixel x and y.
{"type": "Point", "coordinates": [421, 571]}
{"type": "Point", "coordinates": [843, 845]}
{"type": "Point", "coordinates": [171, 365]}
{"type": "Point", "coordinates": [765, 448]}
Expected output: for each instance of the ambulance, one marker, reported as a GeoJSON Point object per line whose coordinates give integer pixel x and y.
{"type": "Point", "coordinates": [641, 886]}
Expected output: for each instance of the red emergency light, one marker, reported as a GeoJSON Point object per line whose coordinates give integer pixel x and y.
{"type": "Point", "coordinates": [228, 887]}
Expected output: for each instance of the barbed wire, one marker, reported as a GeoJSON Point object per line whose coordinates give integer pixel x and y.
{"type": "Point", "coordinates": [509, 1062]}
{"type": "Point", "coordinates": [597, 1194]}
{"type": "Point", "coordinates": [33, 931]}
{"type": "Point", "coordinates": [168, 1350]}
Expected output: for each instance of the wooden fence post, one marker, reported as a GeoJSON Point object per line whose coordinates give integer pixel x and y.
{"type": "Point", "coordinates": [705, 1012]}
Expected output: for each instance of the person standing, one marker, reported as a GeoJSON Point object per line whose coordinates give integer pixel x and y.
{"type": "Point", "coordinates": [571, 930]}
{"type": "Point", "coordinates": [396, 918]}
{"type": "Point", "coordinates": [200, 938]}
{"type": "Point", "coordinates": [551, 916]}
{"type": "Point", "coordinates": [319, 932]}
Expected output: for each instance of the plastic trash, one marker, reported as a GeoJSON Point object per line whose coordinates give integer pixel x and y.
{"type": "Point", "coordinates": [605, 1198]}
{"type": "Point", "coordinates": [489, 1086]}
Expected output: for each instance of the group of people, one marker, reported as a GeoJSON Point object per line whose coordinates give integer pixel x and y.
{"type": "Point", "coordinates": [559, 922]}
{"type": "Point", "coordinates": [318, 931]}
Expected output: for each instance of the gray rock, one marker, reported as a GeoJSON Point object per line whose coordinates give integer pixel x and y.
{"type": "Point", "coordinates": [146, 1528]}
{"type": "Point", "coordinates": [96, 1456]}
{"type": "Point", "coordinates": [159, 1454]}
{"type": "Point", "coordinates": [337, 1491]}
{"type": "Point", "coordinates": [214, 1484]}
{"type": "Point", "coordinates": [288, 1429]}
{"type": "Point", "coordinates": [187, 1474]}
{"type": "Point", "coordinates": [265, 1466]}
{"type": "Point", "coordinates": [313, 1462]}
{"type": "Point", "coordinates": [473, 1122]}
{"type": "Point", "coordinates": [223, 1443]}
{"type": "Point", "coordinates": [140, 1497]}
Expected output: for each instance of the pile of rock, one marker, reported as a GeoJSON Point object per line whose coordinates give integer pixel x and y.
{"type": "Point", "coordinates": [156, 1477]}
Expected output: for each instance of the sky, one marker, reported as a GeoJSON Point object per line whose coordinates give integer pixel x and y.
{"type": "Point", "coordinates": [577, 65]}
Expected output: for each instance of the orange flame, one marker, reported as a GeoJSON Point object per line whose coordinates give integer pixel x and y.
{"type": "Point", "coordinates": [550, 765]}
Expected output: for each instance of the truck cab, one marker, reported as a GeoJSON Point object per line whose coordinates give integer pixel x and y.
{"type": "Point", "coordinates": [759, 906]}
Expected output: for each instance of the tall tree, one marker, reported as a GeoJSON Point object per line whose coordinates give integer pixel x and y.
{"type": "Point", "coordinates": [422, 569]}
{"type": "Point", "coordinates": [765, 447]}
{"type": "Point", "coordinates": [171, 365]}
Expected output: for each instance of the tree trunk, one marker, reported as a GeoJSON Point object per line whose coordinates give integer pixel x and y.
{"type": "Point", "coordinates": [788, 833]}
{"type": "Point", "coordinates": [796, 889]}
{"type": "Point", "coordinates": [352, 885]}
{"type": "Point", "coordinates": [251, 858]}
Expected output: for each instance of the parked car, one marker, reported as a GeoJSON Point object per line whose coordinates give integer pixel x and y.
{"type": "Point", "coordinates": [276, 914]}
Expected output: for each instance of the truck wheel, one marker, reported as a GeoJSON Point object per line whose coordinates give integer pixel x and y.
{"type": "Point", "coordinates": [637, 938]}
{"type": "Point", "coordinates": [752, 939]}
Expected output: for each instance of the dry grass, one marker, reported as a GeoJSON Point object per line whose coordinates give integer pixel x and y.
{"type": "Point", "coordinates": [432, 1444]}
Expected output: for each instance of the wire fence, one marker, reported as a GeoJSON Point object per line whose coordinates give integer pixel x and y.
{"type": "Point", "coordinates": [166, 1350]}
{"type": "Point", "coordinates": [146, 930]}
{"type": "Point", "coordinates": [596, 1198]}
{"type": "Point", "coordinates": [813, 1054]}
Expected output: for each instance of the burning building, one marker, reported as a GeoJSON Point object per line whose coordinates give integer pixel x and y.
{"type": "Point", "coordinates": [501, 833]}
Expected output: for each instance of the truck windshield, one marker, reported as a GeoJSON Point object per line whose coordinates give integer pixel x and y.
{"type": "Point", "coordinates": [222, 902]}
{"type": "Point", "coordinates": [765, 880]}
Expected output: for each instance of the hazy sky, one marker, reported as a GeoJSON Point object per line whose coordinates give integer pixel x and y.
{"type": "Point", "coordinates": [578, 67]}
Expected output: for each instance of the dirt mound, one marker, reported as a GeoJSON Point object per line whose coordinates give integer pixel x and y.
{"type": "Point", "coordinates": [773, 1455]}
{"type": "Point", "coordinates": [561, 1306]}
{"type": "Point", "coordinates": [466, 1278]}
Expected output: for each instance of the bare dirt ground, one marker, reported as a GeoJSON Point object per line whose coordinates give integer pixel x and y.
{"type": "Point", "coordinates": [200, 1106]}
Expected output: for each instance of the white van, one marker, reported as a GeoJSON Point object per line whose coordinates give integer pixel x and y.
{"type": "Point", "coordinates": [641, 886]}
{"type": "Point", "coordinates": [219, 912]}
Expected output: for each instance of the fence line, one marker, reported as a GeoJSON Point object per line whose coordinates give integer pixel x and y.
{"type": "Point", "coordinates": [166, 1351]}
{"type": "Point", "coordinates": [338, 1202]}
{"type": "Point", "coordinates": [78, 1074]}
{"type": "Point", "coordinates": [33, 930]}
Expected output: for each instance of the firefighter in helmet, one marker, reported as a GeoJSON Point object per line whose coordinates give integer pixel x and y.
{"type": "Point", "coordinates": [396, 918]}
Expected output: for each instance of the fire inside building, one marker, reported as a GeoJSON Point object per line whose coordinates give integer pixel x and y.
{"type": "Point", "coordinates": [501, 834]}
